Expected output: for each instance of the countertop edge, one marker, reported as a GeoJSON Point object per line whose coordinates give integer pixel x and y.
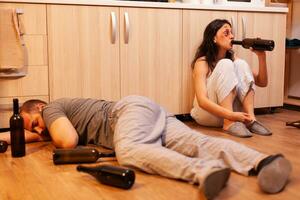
{"type": "Point", "coordinates": [177, 5]}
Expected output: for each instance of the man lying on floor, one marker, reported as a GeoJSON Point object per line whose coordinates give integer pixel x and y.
{"type": "Point", "coordinates": [145, 136]}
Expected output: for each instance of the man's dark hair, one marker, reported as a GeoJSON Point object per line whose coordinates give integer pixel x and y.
{"type": "Point", "coordinates": [30, 105]}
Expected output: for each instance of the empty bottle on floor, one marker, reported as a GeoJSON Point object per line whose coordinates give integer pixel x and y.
{"type": "Point", "coordinates": [79, 155]}
{"type": "Point", "coordinates": [111, 175]}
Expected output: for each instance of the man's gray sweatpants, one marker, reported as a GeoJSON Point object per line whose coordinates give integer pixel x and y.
{"type": "Point", "coordinates": [148, 138]}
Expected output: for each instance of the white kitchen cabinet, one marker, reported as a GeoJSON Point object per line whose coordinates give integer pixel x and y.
{"type": "Point", "coordinates": [83, 51]}
{"type": "Point", "coordinates": [111, 52]}
{"type": "Point", "coordinates": [87, 58]}
{"type": "Point", "coordinates": [151, 56]}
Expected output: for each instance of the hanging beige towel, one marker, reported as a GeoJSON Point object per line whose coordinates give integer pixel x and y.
{"type": "Point", "coordinates": [11, 50]}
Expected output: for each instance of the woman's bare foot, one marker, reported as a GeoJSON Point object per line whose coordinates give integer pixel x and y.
{"type": "Point", "coordinates": [226, 124]}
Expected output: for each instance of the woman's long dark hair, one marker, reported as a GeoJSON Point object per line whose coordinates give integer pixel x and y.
{"type": "Point", "coordinates": [208, 48]}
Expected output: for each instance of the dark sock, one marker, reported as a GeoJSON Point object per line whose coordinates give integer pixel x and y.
{"type": "Point", "coordinates": [263, 163]}
{"type": "Point", "coordinates": [252, 172]}
{"type": "Point", "coordinates": [266, 161]}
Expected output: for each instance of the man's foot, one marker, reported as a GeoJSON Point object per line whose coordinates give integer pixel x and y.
{"type": "Point", "coordinates": [215, 182]}
{"type": "Point", "coordinates": [238, 129]}
{"type": "Point", "coordinates": [258, 128]}
{"type": "Point", "coordinates": [273, 176]}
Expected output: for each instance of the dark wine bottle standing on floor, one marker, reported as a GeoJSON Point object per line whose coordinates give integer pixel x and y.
{"type": "Point", "coordinates": [256, 44]}
{"type": "Point", "coordinates": [78, 155]}
{"type": "Point", "coordinates": [111, 175]}
{"type": "Point", "coordinates": [17, 135]}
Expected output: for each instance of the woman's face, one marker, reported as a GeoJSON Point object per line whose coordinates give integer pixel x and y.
{"type": "Point", "coordinates": [224, 37]}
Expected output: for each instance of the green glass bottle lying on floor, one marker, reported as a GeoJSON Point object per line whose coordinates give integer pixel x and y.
{"type": "Point", "coordinates": [111, 175]}
{"type": "Point", "coordinates": [78, 155]}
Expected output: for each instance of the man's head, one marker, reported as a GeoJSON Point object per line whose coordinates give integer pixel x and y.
{"type": "Point", "coordinates": [31, 111]}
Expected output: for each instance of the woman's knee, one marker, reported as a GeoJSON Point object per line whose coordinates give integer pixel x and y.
{"type": "Point", "coordinates": [225, 79]}
{"type": "Point", "coordinates": [240, 61]}
{"type": "Point", "coordinates": [225, 65]}
{"type": "Point", "coordinates": [242, 66]}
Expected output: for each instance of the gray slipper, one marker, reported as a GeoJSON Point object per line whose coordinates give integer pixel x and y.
{"type": "Point", "coordinates": [273, 177]}
{"type": "Point", "coordinates": [239, 129]}
{"type": "Point", "coordinates": [258, 128]}
{"type": "Point", "coordinates": [215, 182]}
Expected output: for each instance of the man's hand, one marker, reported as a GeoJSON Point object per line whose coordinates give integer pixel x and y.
{"type": "Point", "coordinates": [5, 136]}
{"type": "Point", "coordinates": [29, 136]}
{"type": "Point", "coordinates": [38, 130]}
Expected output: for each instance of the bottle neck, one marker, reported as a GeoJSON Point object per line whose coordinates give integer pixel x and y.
{"type": "Point", "coordinates": [90, 170]}
{"type": "Point", "coordinates": [236, 42]}
{"type": "Point", "coordinates": [16, 106]}
{"type": "Point", "coordinates": [106, 154]}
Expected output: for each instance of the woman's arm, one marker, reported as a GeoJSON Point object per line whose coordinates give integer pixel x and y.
{"type": "Point", "coordinates": [63, 134]}
{"type": "Point", "coordinates": [199, 75]}
{"type": "Point", "coordinates": [261, 75]}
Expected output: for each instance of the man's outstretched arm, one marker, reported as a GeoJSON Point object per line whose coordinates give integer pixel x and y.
{"type": "Point", "coordinates": [63, 134]}
{"type": "Point", "coordinates": [29, 137]}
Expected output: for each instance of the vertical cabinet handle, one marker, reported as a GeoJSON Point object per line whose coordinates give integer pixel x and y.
{"type": "Point", "coordinates": [127, 27]}
{"type": "Point", "coordinates": [233, 25]}
{"type": "Point", "coordinates": [244, 27]}
{"type": "Point", "coordinates": [113, 27]}
{"type": "Point", "coordinates": [19, 11]}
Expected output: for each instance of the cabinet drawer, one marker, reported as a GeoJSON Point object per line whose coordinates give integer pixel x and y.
{"type": "Point", "coordinates": [6, 107]}
{"type": "Point", "coordinates": [34, 83]}
{"type": "Point", "coordinates": [33, 17]}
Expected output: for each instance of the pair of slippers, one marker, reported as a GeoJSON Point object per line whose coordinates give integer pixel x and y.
{"type": "Point", "coordinates": [272, 177]}
{"type": "Point", "coordinates": [239, 129]}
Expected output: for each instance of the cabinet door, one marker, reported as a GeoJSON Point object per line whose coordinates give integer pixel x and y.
{"type": "Point", "coordinates": [35, 84]}
{"type": "Point", "coordinates": [83, 55]}
{"type": "Point", "coordinates": [266, 26]}
{"type": "Point", "coordinates": [194, 24]}
{"type": "Point", "coordinates": [151, 55]}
